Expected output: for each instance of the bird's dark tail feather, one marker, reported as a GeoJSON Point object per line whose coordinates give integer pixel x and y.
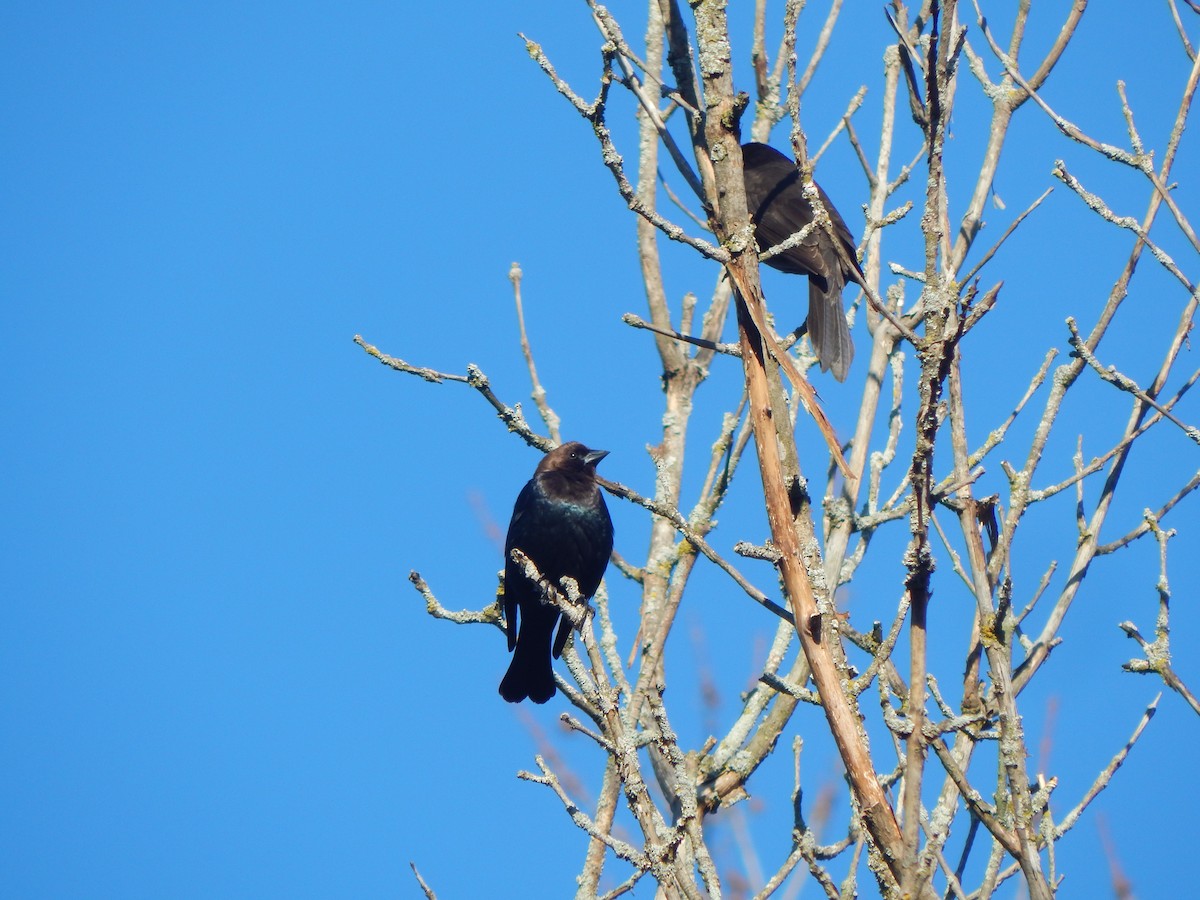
{"type": "Point", "coordinates": [560, 639]}
{"type": "Point", "coordinates": [529, 675]}
{"type": "Point", "coordinates": [827, 327]}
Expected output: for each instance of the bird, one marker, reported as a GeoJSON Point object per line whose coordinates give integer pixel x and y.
{"type": "Point", "coordinates": [778, 208]}
{"type": "Point", "coordinates": [561, 523]}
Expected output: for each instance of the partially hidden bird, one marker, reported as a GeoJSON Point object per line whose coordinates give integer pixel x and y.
{"type": "Point", "coordinates": [778, 208]}
{"type": "Point", "coordinates": [561, 523]}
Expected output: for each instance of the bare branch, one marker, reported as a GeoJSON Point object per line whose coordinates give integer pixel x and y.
{"type": "Point", "coordinates": [425, 888]}
{"type": "Point", "coordinates": [1105, 777]}
{"type": "Point", "coordinates": [549, 416]}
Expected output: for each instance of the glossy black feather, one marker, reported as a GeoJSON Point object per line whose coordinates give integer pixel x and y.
{"type": "Point", "coordinates": [560, 521]}
{"type": "Point", "coordinates": [779, 209]}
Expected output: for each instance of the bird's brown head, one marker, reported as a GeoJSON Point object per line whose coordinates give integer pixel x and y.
{"type": "Point", "coordinates": [571, 459]}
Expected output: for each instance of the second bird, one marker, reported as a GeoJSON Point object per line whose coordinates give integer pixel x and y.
{"type": "Point", "coordinates": [779, 209]}
{"type": "Point", "coordinates": [560, 521]}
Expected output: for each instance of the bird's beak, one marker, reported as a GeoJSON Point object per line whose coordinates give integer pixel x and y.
{"type": "Point", "coordinates": [594, 457]}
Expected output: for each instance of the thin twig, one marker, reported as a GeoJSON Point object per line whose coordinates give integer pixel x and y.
{"type": "Point", "coordinates": [425, 888]}
{"type": "Point", "coordinates": [549, 416]}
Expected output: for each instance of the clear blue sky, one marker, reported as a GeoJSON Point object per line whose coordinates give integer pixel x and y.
{"type": "Point", "coordinates": [215, 680]}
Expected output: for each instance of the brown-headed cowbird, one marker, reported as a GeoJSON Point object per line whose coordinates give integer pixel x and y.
{"type": "Point", "coordinates": [778, 209]}
{"type": "Point", "coordinates": [561, 523]}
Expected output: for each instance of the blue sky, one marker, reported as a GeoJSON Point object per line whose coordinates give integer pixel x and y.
{"type": "Point", "coordinates": [215, 679]}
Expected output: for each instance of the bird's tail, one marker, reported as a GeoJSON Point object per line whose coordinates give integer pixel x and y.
{"type": "Point", "coordinates": [827, 328]}
{"type": "Point", "coordinates": [529, 674]}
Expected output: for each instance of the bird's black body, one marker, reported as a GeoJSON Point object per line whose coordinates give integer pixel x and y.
{"type": "Point", "coordinates": [779, 209]}
{"type": "Point", "coordinates": [561, 523]}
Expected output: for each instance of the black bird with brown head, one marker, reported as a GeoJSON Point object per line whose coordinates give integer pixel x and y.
{"type": "Point", "coordinates": [561, 523]}
{"type": "Point", "coordinates": [779, 209]}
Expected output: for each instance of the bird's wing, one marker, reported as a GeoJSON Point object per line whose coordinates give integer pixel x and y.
{"type": "Point", "coordinates": [854, 273]}
{"type": "Point", "coordinates": [518, 527]}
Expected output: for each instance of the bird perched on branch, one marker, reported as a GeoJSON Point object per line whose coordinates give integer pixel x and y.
{"type": "Point", "coordinates": [779, 209]}
{"type": "Point", "coordinates": [560, 522]}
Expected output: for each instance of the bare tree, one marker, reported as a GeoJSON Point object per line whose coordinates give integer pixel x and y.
{"type": "Point", "coordinates": [920, 765]}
